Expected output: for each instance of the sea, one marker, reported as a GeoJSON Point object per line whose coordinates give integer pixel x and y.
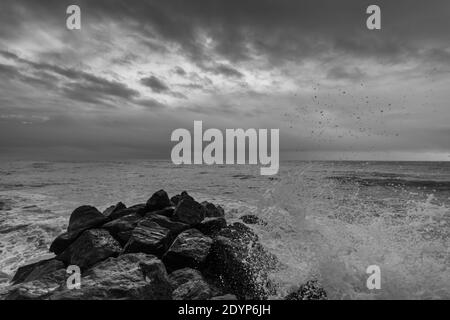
{"type": "Point", "coordinates": [327, 221]}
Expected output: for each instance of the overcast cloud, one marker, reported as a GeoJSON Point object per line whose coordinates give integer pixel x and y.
{"type": "Point", "coordinates": [139, 69]}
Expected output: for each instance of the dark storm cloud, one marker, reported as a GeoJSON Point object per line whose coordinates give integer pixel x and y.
{"type": "Point", "coordinates": [282, 30]}
{"type": "Point", "coordinates": [155, 84]}
{"type": "Point", "coordinates": [75, 84]}
{"type": "Point", "coordinates": [180, 71]}
{"type": "Point", "coordinates": [227, 71]}
{"type": "Point", "coordinates": [288, 30]}
{"type": "Point", "coordinates": [217, 42]}
{"type": "Point", "coordinates": [340, 72]}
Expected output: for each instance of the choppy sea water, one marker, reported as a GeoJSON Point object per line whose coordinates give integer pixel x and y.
{"type": "Point", "coordinates": [326, 220]}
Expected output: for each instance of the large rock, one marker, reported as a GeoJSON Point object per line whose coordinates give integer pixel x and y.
{"type": "Point", "coordinates": [85, 217]}
{"type": "Point", "coordinates": [181, 276]}
{"type": "Point", "coordinates": [252, 219]}
{"type": "Point", "coordinates": [39, 289]}
{"type": "Point", "coordinates": [149, 237]}
{"type": "Point", "coordinates": [167, 212]}
{"type": "Point", "coordinates": [63, 241]}
{"type": "Point", "coordinates": [213, 211]}
{"type": "Point", "coordinates": [36, 270]}
{"type": "Point", "coordinates": [128, 277]}
{"type": "Point", "coordinates": [192, 290]}
{"type": "Point", "coordinates": [91, 247]}
{"type": "Point", "coordinates": [138, 209]}
{"type": "Point", "coordinates": [241, 263]}
{"type": "Point", "coordinates": [189, 211]}
{"type": "Point", "coordinates": [113, 209]}
{"type": "Point", "coordinates": [177, 198]}
{"type": "Point", "coordinates": [311, 290]}
{"type": "Point", "coordinates": [225, 297]}
{"type": "Point", "coordinates": [175, 227]}
{"type": "Point", "coordinates": [189, 249]}
{"type": "Point", "coordinates": [122, 228]}
{"type": "Point", "coordinates": [81, 219]}
{"type": "Point", "coordinates": [211, 226]}
{"type": "Point", "coordinates": [158, 201]}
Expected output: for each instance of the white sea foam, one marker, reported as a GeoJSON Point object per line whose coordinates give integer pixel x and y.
{"type": "Point", "coordinates": [329, 229]}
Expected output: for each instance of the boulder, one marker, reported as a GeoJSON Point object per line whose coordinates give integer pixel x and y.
{"type": "Point", "coordinates": [175, 227]}
{"type": "Point", "coordinates": [121, 228]}
{"type": "Point", "coordinates": [241, 263]}
{"type": "Point", "coordinates": [81, 219]}
{"type": "Point", "coordinates": [311, 290]}
{"type": "Point", "coordinates": [63, 241]}
{"type": "Point", "coordinates": [167, 212]}
{"type": "Point", "coordinates": [149, 237]}
{"type": "Point", "coordinates": [239, 232]}
{"type": "Point", "coordinates": [36, 270]}
{"type": "Point", "coordinates": [158, 201]}
{"type": "Point", "coordinates": [211, 226]}
{"type": "Point", "coordinates": [110, 210]}
{"type": "Point", "coordinates": [177, 198]}
{"type": "Point", "coordinates": [189, 211]}
{"type": "Point", "coordinates": [212, 211]}
{"type": "Point", "coordinates": [85, 217]}
{"type": "Point", "coordinates": [181, 276]}
{"type": "Point", "coordinates": [252, 219]}
{"type": "Point", "coordinates": [225, 297]}
{"type": "Point", "coordinates": [90, 248]}
{"type": "Point", "coordinates": [135, 276]}
{"type": "Point", "coordinates": [138, 209]}
{"type": "Point", "coordinates": [192, 290]}
{"type": "Point", "coordinates": [189, 249]}
{"type": "Point", "coordinates": [39, 289]}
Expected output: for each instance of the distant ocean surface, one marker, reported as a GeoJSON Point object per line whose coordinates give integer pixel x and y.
{"type": "Point", "coordinates": [328, 220]}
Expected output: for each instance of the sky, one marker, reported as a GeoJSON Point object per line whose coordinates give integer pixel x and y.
{"type": "Point", "coordinates": [137, 70]}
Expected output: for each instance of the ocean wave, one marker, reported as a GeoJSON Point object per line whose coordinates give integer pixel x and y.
{"type": "Point", "coordinates": [436, 185]}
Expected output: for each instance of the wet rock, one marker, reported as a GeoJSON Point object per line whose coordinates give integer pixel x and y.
{"type": "Point", "coordinates": [122, 228]}
{"type": "Point", "coordinates": [189, 249]}
{"type": "Point", "coordinates": [167, 212]}
{"type": "Point", "coordinates": [212, 211]}
{"type": "Point", "coordinates": [135, 276]}
{"type": "Point", "coordinates": [189, 212]}
{"type": "Point", "coordinates": [240, 233]}
{"type": "Point", "coordinates": [63, 241]}
{"type": "Point", "coordinates": [175, 227]}
{"type": "Point", "coordinates": [111, 210]}
{"type": "Point", "coordinates": [181, 276]}
{"type": "Point", "coordinates": [149, 237]}
{"type": "Point", "coordinates": [39, 289]}
{"type": "Point", "coordinates": [138, 209]}
{"type": "Point", "coordinates": [311, 290]}
{"type": "Point", "coordinates": [225, 297]}
{"type": "Point", "coordinates": [177, 198]}
{"type": "Point", "coordinates": [85, 217]}
{"type": "Point", "coordinates": [210, 226]}
{"type": "Point", "coordinates": [192, 290]}
{"type": "Point", "coordinates": [91, 247]}
{"type": "Point", "coordinates": [158, 201]}
{"type": "Point", "coordinates": [252, 219]}
{"type": "Point", "coordinates": [36, 270]}
{"type": "Point", "coordinates": [241, 263]}
{"type": "Point", "coordinates": [81, 219]}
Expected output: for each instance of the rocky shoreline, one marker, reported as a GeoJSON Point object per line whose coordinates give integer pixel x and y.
{"type": "Point", "coordinates": [166, 248]}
